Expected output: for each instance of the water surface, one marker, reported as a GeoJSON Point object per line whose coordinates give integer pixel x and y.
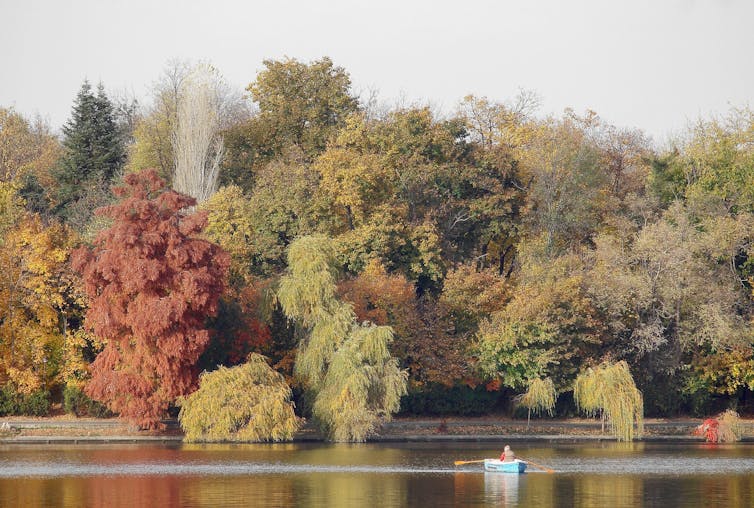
{"type": "Point", "coordinates": [391, 475]}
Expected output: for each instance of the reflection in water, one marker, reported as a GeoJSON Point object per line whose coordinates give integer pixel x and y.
{"type": "Point", "coordinates": [615, 491]}
{"type": "Point", "coordinates": [501, 487]}
{"type": "Point", "coordinates": [400, 475]}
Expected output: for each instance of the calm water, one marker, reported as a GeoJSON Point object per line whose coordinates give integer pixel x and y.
{"type": "Point", "coordinates": [367, 475]}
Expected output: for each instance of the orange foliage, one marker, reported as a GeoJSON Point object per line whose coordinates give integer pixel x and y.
{"type": "Point", "coordinates": [152, 284]}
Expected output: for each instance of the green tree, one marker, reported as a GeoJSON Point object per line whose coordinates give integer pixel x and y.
{"type": "Point", "coordinates": [94, 153]}
{"type": "Point", "coordinates": [346, 364]}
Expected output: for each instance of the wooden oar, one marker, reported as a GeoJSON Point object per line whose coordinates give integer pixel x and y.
{"type": "Point", "coordinates": [543, 468]}
{"type": "Point", "coordinates": [459, 462]}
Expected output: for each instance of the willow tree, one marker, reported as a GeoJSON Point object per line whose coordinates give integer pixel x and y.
{"type": "Point", "coordinates": [539, 397]}
{"type": "Point", "coordinates": [249, 402]}
{"type": "Point", "coordinates": [609, 390]}
{"type": "Point", "coordinates": [345, 364]}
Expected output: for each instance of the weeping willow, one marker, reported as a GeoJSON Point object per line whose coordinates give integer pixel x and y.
{"type": "Point", "coordinates": [346, 364]}
{"type": "Point", "coordinates": [609, 390]}
{"type": "Point", "coordinates": [539, 397]}
{"type": "Point", "coordinates": [250, 402]}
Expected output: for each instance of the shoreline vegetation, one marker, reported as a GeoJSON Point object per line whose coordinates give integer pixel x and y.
{"type": "Point", "coordinates": [71, 430]}
{"type": "Point", "coordinates": [245, 260]}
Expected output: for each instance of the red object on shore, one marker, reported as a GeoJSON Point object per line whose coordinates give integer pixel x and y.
{"type": "Point", "coordinates": [710, 430]}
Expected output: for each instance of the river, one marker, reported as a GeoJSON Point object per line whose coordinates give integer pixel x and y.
{"type": "Point", "coordinates": [590, 474]}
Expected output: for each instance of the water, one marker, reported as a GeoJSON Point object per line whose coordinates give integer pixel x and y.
{"type": "Point", "coordinates": [367, 475]}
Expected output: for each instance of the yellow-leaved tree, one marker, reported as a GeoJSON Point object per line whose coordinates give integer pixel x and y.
{"type": "Point", "coordinates": [609, 390]}
{"type": "Point", "coordinates": [249, 402]}
{"type": "Point", "coordinates": [346, 364]}
{"type": "Point", "coordinates": [35, 290]}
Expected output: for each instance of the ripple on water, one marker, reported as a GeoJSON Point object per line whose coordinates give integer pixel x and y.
{"type": "Point", "coordinates": [654, 465]}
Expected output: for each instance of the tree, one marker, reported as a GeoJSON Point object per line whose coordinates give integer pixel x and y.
{"type": "Point", "coordinates": [196, 140]}
{"type": "Point", "coordinates": [302, 104]}
{"type": "Point", "coordinates": [540, 396]}
{"type": "Point", "coordinates": [347, 365]}
{"type": "Point", "coordinates": [37, 293]}
{"type": "Point", "coordinates": [94, 152]}
{"type": "Point", "coordinates": [152, 284]}
{"type": "Point", "coordinates": [28, 154]}
{"type": "Point", "coordinates": [609, 390]}
{"type": "Point", "coordinates": [549, 325]}
{"type": "Point", "coordinates": [250, 402]}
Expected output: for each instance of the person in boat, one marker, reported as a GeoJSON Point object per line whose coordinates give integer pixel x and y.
{"type": "Point", "coordinates": [507, 455]}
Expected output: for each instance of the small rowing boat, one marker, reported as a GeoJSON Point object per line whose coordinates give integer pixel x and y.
{"type": "Point", "coordinates": [512, 466]}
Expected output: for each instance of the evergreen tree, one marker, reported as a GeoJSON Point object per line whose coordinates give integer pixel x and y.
{"type": "Point", "coordinates": [94, 152]}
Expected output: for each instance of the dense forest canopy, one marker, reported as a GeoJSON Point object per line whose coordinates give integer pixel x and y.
{"type": "Point", "coordinates": [446, 260]}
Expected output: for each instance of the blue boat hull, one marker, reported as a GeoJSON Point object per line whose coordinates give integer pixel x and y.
{"type": "Point", "coordinates": [498, 466]}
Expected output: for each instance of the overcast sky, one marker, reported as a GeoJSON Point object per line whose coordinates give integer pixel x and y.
{"type": "Point", "coordinates": [653, 64]}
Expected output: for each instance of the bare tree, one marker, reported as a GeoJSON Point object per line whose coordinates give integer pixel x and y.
{"type": "Point", "coordinates": [196, 140]}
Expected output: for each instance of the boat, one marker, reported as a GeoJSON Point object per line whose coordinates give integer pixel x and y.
{"type": "Point", "coordinates": [499, 466]}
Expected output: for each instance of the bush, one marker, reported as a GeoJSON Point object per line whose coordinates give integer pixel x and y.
{"type": "Point", "coordinates": [76, 402]}
{"type": "Point", "coordinates": [13, 403]}
{"type": "Point", "coordinates": [36, 404]}
{"type": "Point", "coordinates": [10, 401]}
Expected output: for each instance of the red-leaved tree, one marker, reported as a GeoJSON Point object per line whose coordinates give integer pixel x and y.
{"type": "Point", "coordinates": [152, 283]}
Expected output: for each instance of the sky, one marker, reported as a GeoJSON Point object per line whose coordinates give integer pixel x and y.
{"type": "Point", "coordinates": [650, 64]}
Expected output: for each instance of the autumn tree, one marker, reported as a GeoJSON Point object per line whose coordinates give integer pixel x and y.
{"type": "Point", "coordinates": [348, 365]}
{"type": "Point", "coordinates": [549, 325]}
{"type": "Point", "coordinates": [152, 284]}
{"type": "Point", "coordinates": [36, 302]}
{"type": "Point", "coordinates": [302, 104]}
{"type": "Point", "coordinates": [609, 390]}
{"type": "Point", "coordinates": [196, 140]}
{"type": "Point", "coordinates": [249, 402]}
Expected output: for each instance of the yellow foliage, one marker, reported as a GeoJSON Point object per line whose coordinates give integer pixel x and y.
{"type": "Point", "coordinates": [609, 389]}
{"type": "Point", "coordinates": [35, 284]}
{"type": "Point", "coordinates": [250, 402]}
{"type": "Point", "coordinates": [540, 396]}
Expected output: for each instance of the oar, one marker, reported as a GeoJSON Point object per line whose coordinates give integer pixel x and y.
{"type": "Point", "coordinates": [543, 468]}
{"type": "Point", "coordinates": [459, 462]}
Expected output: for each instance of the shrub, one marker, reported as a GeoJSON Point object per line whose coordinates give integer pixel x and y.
{"type": "Point", "coordinates": [76, 402]}
{"type": "Point", "coordinates": [36, 404]}
{"type": "Point", "coordinates": [14, 403]}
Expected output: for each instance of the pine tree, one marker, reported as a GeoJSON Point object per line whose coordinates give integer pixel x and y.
{"type": "Point", "coordinates": [94, 152]}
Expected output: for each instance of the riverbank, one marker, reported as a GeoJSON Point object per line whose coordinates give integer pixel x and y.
{"type": "Point", "coordinates": [69, 429]}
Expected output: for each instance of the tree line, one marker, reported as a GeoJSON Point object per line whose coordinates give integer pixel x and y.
{"type": "Point", "coordinates": [307, 245]}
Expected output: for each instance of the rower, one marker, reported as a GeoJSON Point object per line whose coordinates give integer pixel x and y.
{"type": "Point", "coordinates": [507, 455]}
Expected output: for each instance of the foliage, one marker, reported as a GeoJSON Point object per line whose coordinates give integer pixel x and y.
{"type": "Point", "coordinates": [302, 104]}
{"type": "Point", "coordinates": [250, 402]}
{"type": "Point", "coordinates": [37, 298]}
{"type": "Point", "coordinates": [14, 402]}
{"type": "Point", "coordinates": [348, 365]}
{"type": "Point", "coordinates": [76, 402]}
{"type": "Point", "coordinates": [540, 396]}
{"type": "Point", "coordinates": [93, 148]}
{"type": "Point", "coordinates": [439, 399]}
{"type": "Point", "coordinates": [549, 323]}
{"type": "Point", "coordinates": [28, 153]}
{"type": "Point", "coordinates": [609, 390]}
{"type": "Point", "coordinates": [151, 285]}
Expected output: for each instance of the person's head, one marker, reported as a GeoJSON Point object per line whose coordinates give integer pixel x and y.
{"type": "Point", "coordinates": [507, 448]}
